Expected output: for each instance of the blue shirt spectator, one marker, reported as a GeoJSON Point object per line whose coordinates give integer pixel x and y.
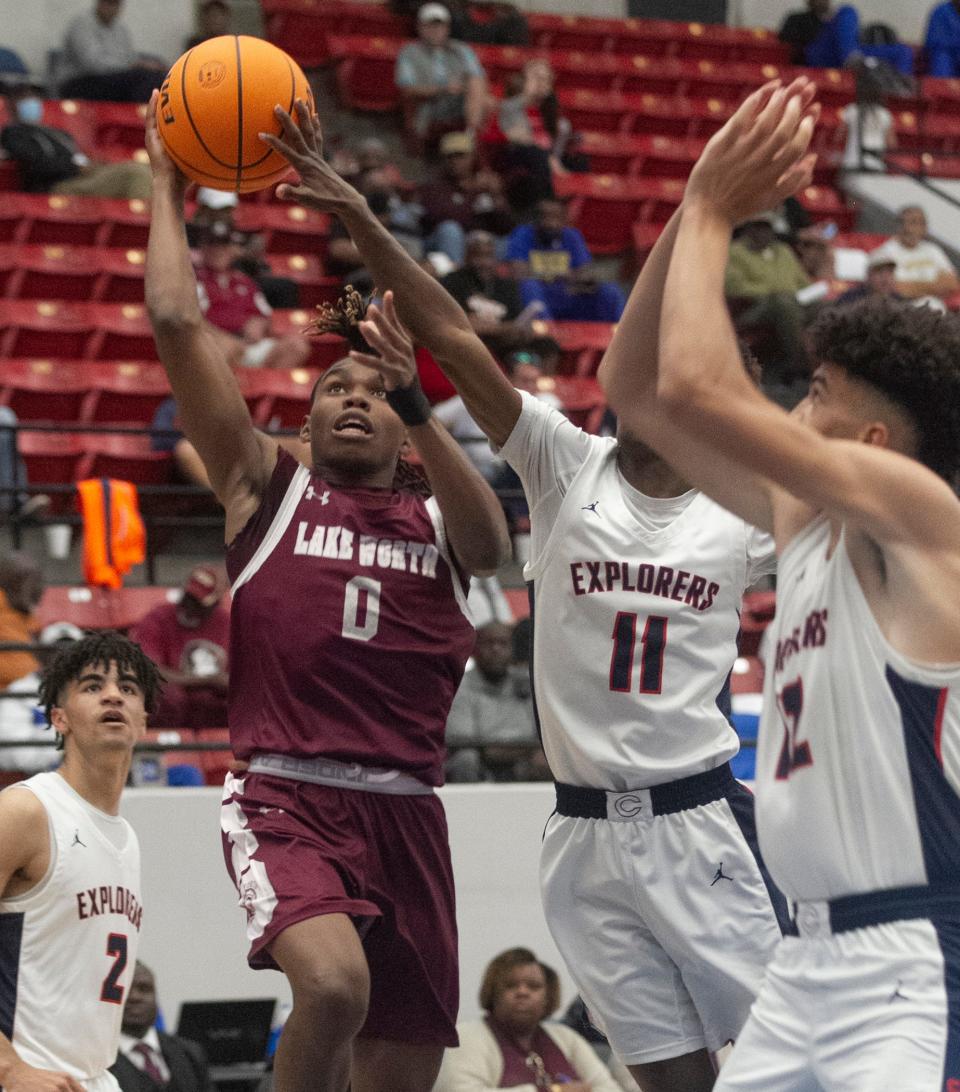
{"type": "Point", "coordinates": [555, 269]}
{"type": "Point", "coordinates": [943, 40]}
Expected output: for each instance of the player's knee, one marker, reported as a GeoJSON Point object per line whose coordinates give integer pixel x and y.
{"type": "Point", "coordinates": [340, 991]}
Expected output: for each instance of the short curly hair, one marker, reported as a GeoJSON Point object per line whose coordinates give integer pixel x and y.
{"type": "Point", "coordinates": [495, 976]}
{"type": "Point", "coordinates": [100, 650]}
{"type": "Point", "coordinates": [911, 355]}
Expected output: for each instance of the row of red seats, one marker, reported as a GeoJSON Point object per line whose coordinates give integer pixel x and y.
{"type": "Point", "coordinates": [104, 222]}
{"type": "Point", "coordinates": [34, 271]}
{"type": "Point", "coordinates": [302, 28]}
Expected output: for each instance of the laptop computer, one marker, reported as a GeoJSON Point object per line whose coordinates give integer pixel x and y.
{"type": "Point", "coordinates": [232, 1033]}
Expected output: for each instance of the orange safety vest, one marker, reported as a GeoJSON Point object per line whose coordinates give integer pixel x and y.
{"type": "Point", "coordinates": [114, 539]}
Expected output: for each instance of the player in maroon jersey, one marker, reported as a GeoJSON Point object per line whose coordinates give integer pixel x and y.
{"type": "Point", "coordinates": [349, 635]}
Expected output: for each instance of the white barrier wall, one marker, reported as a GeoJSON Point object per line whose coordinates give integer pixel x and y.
{"type": "Point", "coordinates": [193, 931]}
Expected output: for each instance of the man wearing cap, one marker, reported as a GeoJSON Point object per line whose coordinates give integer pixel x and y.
{"type": "Point", "coordinates": [763, 278]}
{"type": "Point", "coordinates": [442, 79]}
{"type": "Point", "coordinates": [188, 640]}
{"type": "Point", "coordinates": [232, 302]}
{"type": "Point", "coordinates": [461, 198]}
{"type": "Point", "coordinates": [213, 21]}
{"type": "Point", "coordinates": [50, 160]}
{"type": "Point", "coordinates": [881, 281]}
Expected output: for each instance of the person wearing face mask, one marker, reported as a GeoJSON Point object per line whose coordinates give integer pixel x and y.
{"type": "Point", "coordinates": [50, 160]}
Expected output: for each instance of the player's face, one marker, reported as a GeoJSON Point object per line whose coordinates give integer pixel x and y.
{"type": "Point", "coordinates": [351, 425]}
{"type": "Point", "coordinates": [522, 1001]}
{"type": "Point", "coordinates": [101, 710]}
{"type": "Point", "coordinates": [835, 405]}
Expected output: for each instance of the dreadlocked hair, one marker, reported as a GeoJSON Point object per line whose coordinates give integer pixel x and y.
{"type": "Point", "coordinates": [343, 318]}
{"type": "Point", "coordinates": [409, 479]}
{"type": "Point", "coordinates": [99, 650]}
{"type": "Point", "coordinates": [911, 355]}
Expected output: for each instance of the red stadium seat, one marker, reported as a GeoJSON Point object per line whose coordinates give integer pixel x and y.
{"type": "Point", "coordinates": [307, 271]}
{"type": "Point", "coordinates": [287, 229]}
{"type": "Point", "coordinates": [119, 124]}
{"type": "Point", "coordinates": [9, 175]}
{"type": "Point", "coordinates": [125, 223]}
{"type": "Point", "coordinates": [43, 328]}
{"type": "Point", "coordinates": [122, 331]}
{"type": "Point", "coordinates": [44, 390]}
{"type": "Point", "coordinates": [277, 398]}
{"type": "Point", "coordinates": [129, 458]}
{"type": "Point", "coordinates": [59, 219]}
{"type": "Point", "coordinates": [51, 458]}
{"type": "Point", "coordinates": [581, 396]}
{"type": "Point", "coordinates": [581, 344]}
{"type": "Point", "coordinates": [51, 272]}
{"type": "Point", "coordinates": [825, 203]}
{"type": "Point", "coordinates": [365, 72]}
{"type": "Point", "coordinates": [120, 277]}
{"type": "Point", "coordinates": [100, 608]}
{"type": "Point", "coordinates": [301, 26]}
{"type": "Point", "coordinates": [326, 349]}
{"type": "Point", "coordinates": [571, 32]}
{"type": "Point", "coordinates": [127, 392]}
{"type": "Point", "coordinates": [605, 207]}
{"type": "Point", "coordinates": [605, 112]}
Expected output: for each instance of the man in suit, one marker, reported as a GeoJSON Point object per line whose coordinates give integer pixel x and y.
{"type": "Point", "coordinates": [149, 1059]}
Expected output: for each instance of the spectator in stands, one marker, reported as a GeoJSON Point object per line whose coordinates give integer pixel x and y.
{"type": "Point", "coordinates": [868, 124]}
{"type": "Point", "coordinates": [462, 198]}
{"type": "Point", "coordinates": [881, 281]}
{"type": "Point", "coordinates": [98, 60]}
{"type": "Point", "coordinates": [149, 1059]}
{"type": "Point", "coordinates": [764, 276]}
{"type": "Point", "coordinates": [513, 1045]}
{"type": "Point", "coordinates": [188, 640]}
{"type": "Point", "coordinates": [23, 718]}
{"type": "Point", "coordinates": [492, 715]}
{"type": "Point", "coordinates": [370, 167]}
{"type": "Point", "coordinates": [213, 20]}
{"type": "Point", "coordinates": [442, 79]}
{"type": "Point", "coordinates": [488, 23]}
{"type": "Point", "coordinates": [343, 257]}
{"type": "Point", "coordinates": [233, 303]}
{"type": "Point", "coordinates": [538, 137]}
{"type": "Point", "coordinates": [555, 268]}
{"type": "Point", "coordinates": [492, 302]}
{"type": "Point", "coordinates": [942, 42]}
{"type": "Point", "coordinates": [50, 160]}
{"type": "Point", "coordinates": [166, 435]}
{"type": "Point", "coordinates": [13, 474]}
{"type": "Point", "coordinates": [923, 268]}
{"type": "Point", "coordinates": [21, 586]}
{"type": "Point", "coordinates": [819, 37]}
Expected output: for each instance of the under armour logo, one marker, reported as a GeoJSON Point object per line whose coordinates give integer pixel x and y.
{"type": "Point", "coordinates": [76, 840]}
{"type": "Point", "coordinates": [592, 507]}
{"type": "Point", "coordinates": [721, 875]}
{"type": "Point", "coordinates": [323, 497]}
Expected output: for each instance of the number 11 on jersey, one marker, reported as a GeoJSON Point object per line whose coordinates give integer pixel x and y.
{"type": "Point", "coordinates": [653, 645]}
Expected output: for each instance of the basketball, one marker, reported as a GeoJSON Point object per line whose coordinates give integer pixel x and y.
{"type": "Point", "coordinates": [215, 101]}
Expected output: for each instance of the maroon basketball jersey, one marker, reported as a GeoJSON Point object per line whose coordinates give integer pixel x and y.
{"type": "Point", "coordinates": [349, 626]}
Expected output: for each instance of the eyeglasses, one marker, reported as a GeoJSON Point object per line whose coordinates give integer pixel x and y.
{"type": "Point", "coordinates": [541, 1078]}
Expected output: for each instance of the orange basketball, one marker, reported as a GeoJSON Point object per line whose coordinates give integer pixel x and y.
{"type": "Point", "coordinates": [215, 101]}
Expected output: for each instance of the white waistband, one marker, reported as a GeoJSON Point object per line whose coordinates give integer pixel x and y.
{"type": "Point", "coordinates": [340, 775]}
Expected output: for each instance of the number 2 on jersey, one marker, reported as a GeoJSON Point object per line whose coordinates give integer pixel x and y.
{"type": "Point", "coordinates": [795, 753]}
{"type": "Point", "coordinates": [653, 644]}
{"type": "Point", "coordinates": [111, 990]}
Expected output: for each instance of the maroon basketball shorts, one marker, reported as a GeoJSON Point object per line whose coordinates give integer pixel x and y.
{"type": "Point", "coordinates": [296, 850]}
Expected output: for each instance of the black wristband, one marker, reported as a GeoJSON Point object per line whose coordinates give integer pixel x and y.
{"type": "Point", "coordinates": [410, 403]}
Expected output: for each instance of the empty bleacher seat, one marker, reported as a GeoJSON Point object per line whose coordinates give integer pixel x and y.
{"type": "Point", "coordinates": [44, 390]}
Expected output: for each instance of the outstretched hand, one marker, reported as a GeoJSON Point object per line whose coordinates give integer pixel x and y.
{"type": "Point", "coordinates": [760, 157]}
{"type": "Point", "coordinates": [384, 333]}
{"type": "Point", "coordinates": [302, 146]}
{"type": "Point", "coordinates": [165, 171]}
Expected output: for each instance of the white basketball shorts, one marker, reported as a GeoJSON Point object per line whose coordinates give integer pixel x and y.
{"type": "Point", "coordinates": [855, 1010]}
{"type": "Point", "coordinates": [661, 911]}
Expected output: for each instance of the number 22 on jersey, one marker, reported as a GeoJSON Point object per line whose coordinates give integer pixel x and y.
{"type": "Point", "coordinates": [653, 645]}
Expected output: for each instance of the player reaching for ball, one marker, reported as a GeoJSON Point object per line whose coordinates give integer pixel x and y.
{"type": "Point", "coordinates": [650, 882]}
{"type": "Point", "coordinates": [858, 767]}
{"type": "Point", "coordinates": [349, 634]}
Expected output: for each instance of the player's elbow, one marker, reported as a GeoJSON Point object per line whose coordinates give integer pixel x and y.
{"type": "Point", "coordinates": [169, 315]}
{"type": "Point", "coordinates": [486, 552]}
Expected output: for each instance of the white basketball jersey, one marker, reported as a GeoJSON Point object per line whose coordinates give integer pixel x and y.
{"type": "Point", "coordinates": [858, 768]}
{"type": "Point", "coordinates": [635, 627]}
{"type": "Point", "coordinates": [68, 946]}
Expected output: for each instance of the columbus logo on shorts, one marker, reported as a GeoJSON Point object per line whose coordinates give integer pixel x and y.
{"type": "Point", "coordinates": [248, 898]}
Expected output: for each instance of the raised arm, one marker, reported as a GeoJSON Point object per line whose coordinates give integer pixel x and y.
{"type": "Point", "coordinates": [629, 374]}
{"type": "Point", "coordinates": [705, 394]}
{"type": "Point", "coordinates": [433, 318]}
{"type": "Point", "coordinates": [215, 418]}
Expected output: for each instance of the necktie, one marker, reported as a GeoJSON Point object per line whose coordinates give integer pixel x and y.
{"type": "Point", "coordinates": [150, 1066]}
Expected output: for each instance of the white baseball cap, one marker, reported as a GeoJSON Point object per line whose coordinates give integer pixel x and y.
{"type": "Point", "coordinates": [431, 13]}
